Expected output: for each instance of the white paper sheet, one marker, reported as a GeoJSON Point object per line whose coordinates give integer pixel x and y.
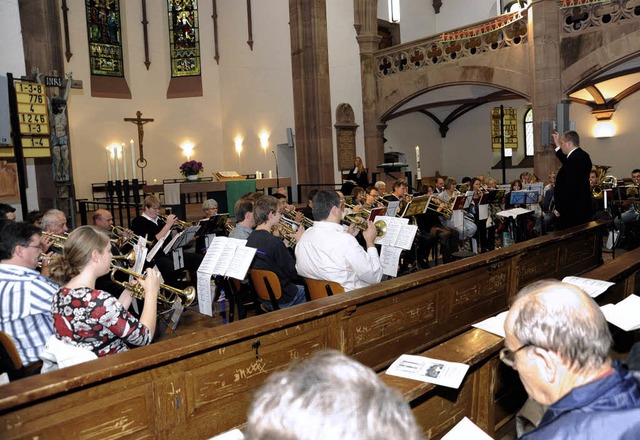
{"type": "Point", "coordinates": [204, 293]}
{"type": "Point", "coordinates": [435, 371]}
{"type": "Point", "coordinates": [625, 314]}
{"type": "Point", "coordinates": [514, 212]}
{"type": "Point", "coordinates": [466, 430]}
{"type": "Point", "coordinates": [389, 259]}
{"type": "Point", "coordinates": [494, 325]}
{"type": "Point", "coordinates": [593, 288]}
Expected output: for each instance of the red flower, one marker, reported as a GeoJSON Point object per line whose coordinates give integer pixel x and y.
{"type": "Point", "coordinates": [98, 312]}
{"type": "Point", "coordinates": [61, 326]}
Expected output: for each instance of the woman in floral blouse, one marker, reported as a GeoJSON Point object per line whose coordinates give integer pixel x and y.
{"type": "Point", "coordinates": [94, 319]}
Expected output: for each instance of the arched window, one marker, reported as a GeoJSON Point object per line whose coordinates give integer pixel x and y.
{"type": "Point", "coordinates": [105, 42]}
{"type": "Point", "coordinates": [184, 38]}
{"type": "Point", "coordinates": [528, 133]}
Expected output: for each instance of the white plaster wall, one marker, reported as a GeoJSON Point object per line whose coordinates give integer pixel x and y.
{"type": "Point", "coordinates": [621, 151]}
{"type": "Point", "coordinates": [256, 90]}
{"type": "Point", "coordinates": [344, 70]}
{"type": "Point", "coordinates": [419, 20]}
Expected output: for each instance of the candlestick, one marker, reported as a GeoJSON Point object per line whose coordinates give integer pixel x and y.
{"type": "Point", "coordinates": [109, 177]}
{"type": "Point", "coordinates": [124, 161]}
{"type": "Point", "coordinates": [133, 159]}
{"type": "Point", "coordinates": [116, 154]}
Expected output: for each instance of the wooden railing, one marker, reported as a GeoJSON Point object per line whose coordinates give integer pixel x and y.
{"type": "Point", "coordinates": [197, 385]}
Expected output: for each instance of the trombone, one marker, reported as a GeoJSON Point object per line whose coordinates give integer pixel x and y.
{"type": "Point", "coordinates": [125, 236]}
{"type": "Point", "coordinates": [180, 224]}
{"type": "Point", "coordinates": [186, 296]}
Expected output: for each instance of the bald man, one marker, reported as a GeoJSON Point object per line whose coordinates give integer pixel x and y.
{"type": "Point", "coordinates": [558, 340]}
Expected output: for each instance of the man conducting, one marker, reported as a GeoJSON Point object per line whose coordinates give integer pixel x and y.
{"type": "Point", "coordinates": [558, 340]}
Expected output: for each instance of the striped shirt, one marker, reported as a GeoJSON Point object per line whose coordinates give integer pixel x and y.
{"type": "Point", "coordinates": [25, 309]}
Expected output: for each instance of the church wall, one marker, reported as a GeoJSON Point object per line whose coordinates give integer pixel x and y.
{"type": "Point", "coordinates": [419, 20]}
{"type": "Point", "coordinates": [344, 69]}
{"type": "Point", "coordinates": [255, 86]}
{"type": "Point", "coordinates": [95, 123]}
{"type": "Point", "coordinates": [620, 151]}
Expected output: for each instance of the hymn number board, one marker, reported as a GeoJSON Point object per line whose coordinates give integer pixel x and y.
{"type": "Point", "coordinates": [510, 124]}
{"type": "Point", "coordinates": [33, 116]}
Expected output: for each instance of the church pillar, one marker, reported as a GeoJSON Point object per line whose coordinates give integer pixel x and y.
{"type": "Point", "coordinates": [366, 24]}
{"type": "Point", "coordinates": [544, 28]}
{"type": "Point", "coordinates": [311, 94]}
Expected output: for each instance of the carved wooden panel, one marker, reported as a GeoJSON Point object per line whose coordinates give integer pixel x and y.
{"type": "Point", "coordinates": [541, 263]}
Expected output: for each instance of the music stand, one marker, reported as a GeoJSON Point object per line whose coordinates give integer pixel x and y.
{"type": "Point", "coordinates": [417, 205]}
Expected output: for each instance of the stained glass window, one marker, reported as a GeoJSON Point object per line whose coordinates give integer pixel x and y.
{"type": "Point", "coordinates": [184, 37]}
{"type": "Point", "coordinates": [105, 38]}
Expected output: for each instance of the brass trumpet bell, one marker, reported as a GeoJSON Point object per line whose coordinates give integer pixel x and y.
{"type": "Point", "coordinates": [603, 181]}
{"type": "Point", "coordinates": [186, 296]}
{"type": "Point", "coordinates": [129, 257]}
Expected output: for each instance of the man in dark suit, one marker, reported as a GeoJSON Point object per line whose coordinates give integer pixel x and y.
{"type": "Point", "coordinates": [572, 192]}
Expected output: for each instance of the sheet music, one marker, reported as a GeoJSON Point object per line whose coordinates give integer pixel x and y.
{"type": "Point", "coordinates": [392, 208]}
{"type": "Point", "coordinates": [203, 282]}
{"type": "Point", "coordinates": [405, 236]}
{"type": "Point", "coordinates": [394, 224]}
{"type": "Point", "coordinates": [389, 259]}
{"type": "Point", "coordinates": [494, 325]}
{"type": "Point", "coordinates": [592, 287]}
{"type": "Point", "coordinates": [240, 263]}
{"type": "Point", "coordinates": [483, 212]}
{"type": "Point", "coordinates": [468, 198]}
{"type": "Point", "coordinates": [141, 255]}
{"type": "Point", "coordinates": [436, 371]}
{"type": "Point", "coordinates": [152, 253]}
{"type": "Point", "coordinates": [514, 212]}
{"type": "Point", "coordinates": [181, 239]}
{"type": "Point", "coordinates": [228, 257]}
{"type": "Point", "coordinates": [624, 314]}
{"type": "Point", "coordinates": [465, 429]}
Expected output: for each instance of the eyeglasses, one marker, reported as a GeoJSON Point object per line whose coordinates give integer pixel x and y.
{"type": "Point", "coordinates": [39, 247]}
{"type": "Point", "coordinates": [509, 357]}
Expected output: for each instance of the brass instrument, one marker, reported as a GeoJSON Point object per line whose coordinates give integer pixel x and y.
{"type": "Point", "coordinates": [186, 296]}
{"type": "Point", "coordinates": [361, 223]}
{"type": "Point", "coordinates": [58, 240]}
{"type": "Point", "coordinates": [180, 224]}
{"type": "Point", "coordinates": [603, 182]}
{"type": "Point", "coordinates": [129, 257]}
{"type": "Point", "coordinates": [382, 200]}
{"type": "Point", "coordinates": [291, 215]}
{"type": "Point", "coordinates": [125, 236]}
{"type": "Point", "coordinates": [443, 207]}
{"type": "Point", "coordinates": [286, 231]}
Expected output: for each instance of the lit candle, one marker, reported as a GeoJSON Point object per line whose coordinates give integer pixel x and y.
{"type": "Point", "coordinates": [109, 177]}
{"type": "Point", "coordinates": [124, 161]}
{"type": "Point", "coordinates": [116, 158]}
{"type": "Point", "coordinates": [270, 175]}
{"type": "Point", "coordinates": [418, 173]}
{"type": "Point", "coordinates": [133, 160]}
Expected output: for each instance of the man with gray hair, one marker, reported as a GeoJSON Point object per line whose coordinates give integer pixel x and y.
{"type": "Point", "coordinates": [54, 222]}
{"type": "Point", "coordinates": [329, 396]}
{"type": "Point", "coordinates": [558, 340]}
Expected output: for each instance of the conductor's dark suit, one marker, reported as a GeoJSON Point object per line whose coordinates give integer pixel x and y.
{"type": "Point", "coordinates": [572, 191]}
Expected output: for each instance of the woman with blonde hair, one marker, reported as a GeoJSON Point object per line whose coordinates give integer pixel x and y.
{"type": "Point", "coordinates": [358, 174]}
{"type": "Point", "coordinates": [93, 319]}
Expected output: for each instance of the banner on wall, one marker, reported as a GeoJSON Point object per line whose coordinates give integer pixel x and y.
{"type": "Point", "coordinates": [509, 127]}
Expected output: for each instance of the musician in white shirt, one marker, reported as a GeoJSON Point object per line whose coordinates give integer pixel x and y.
{"type": "Point", "coordinates": [329, 252]}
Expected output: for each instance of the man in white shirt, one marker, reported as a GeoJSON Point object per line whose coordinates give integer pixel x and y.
{"type": "Point", "coordinates": [328, 252]}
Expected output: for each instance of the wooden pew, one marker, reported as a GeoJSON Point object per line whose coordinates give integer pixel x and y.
{"type": "Point", "coordinates": [201, 384]}
{"type": "Point", "coordinates": [491, 393]}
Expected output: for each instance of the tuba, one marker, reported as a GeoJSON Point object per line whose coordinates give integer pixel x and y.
{"type": "Point", "coordinates": [603, 182]}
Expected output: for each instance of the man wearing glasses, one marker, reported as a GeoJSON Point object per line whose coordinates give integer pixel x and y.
{"type": "Point", "coordinates": [25, 295]}
{"type": "Point", "coordinates": [558, 340]}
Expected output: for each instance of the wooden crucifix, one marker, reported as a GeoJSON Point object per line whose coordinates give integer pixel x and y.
{"type": "Point", "coordinates": [140, 121]}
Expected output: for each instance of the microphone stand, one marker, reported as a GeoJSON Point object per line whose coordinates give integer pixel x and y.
{"type": "Point", "coordinates": [277, 172]}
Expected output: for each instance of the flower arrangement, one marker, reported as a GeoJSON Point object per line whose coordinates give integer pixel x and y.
{"type": "Point", "coordinates": [191, 168]}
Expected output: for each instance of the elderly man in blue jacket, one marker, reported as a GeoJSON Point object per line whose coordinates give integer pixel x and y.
{"type": "Point", "coordinates": [558, 340]}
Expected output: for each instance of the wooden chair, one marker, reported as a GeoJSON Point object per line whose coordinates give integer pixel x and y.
{"type": "Point", "coordinates": [322, 289]}
{"type": "Point", "coordinates": [267, 286]}
{"type": "Point", "coordinates": [10, 361]}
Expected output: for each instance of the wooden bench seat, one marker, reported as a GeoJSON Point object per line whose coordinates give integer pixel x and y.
{"type": "Point", "coordinates": [201, 383]}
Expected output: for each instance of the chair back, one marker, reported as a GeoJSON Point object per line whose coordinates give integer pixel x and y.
{"type": "Point", "coordinates": [322, 288]}
{"type": "Point", "coordinates": [266, 285]}
{"type": "Point", "coordinates": [9, 357]}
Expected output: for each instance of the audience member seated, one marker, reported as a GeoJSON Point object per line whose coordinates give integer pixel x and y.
{"type": "Point", "coordinates": [328, 252]}
{"type": "Point", "coordinates": [93, 319]}
{"type": "Point", "coordinates": [25, 295]}
{"type": "Point", "coordinates": [558, 340]}
{"type": "Point", "coordinates": [272, 254]}
{"type": "Point", "coordinates": [245, 222]}
{"type": "Point", "coordinates": [329, 396]}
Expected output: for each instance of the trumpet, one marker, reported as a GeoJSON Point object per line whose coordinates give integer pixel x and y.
{"type": "Point", "coordinates": [125, 236]}
{"type": "Point", "coordinates": [186, 296]}
{"type": "Point", "coordinates": [291, 215]}
{"type": "Point", "coordinates": [361, 223]}
{"type": "Point", "coordinates": [180, 224]}
{"type": "Point", "coordinates": [129, 257]}
{"type": "Point", "coordinates": [58, 240]}
{"type": "Point", "coordinates": [286, 231]}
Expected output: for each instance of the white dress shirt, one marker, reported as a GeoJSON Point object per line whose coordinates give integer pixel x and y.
{"type": "Point", "coordinates": [328, 252]}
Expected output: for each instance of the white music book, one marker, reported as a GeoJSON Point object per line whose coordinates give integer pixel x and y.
{"type": "Point", "coordinates": [399, 232]}
{"type": "Point", "coordinates": [424, 369]}
{"type": "Point", "coordinates": [624, 314]}
{"type": "Point", "coordinates": [228, 257]}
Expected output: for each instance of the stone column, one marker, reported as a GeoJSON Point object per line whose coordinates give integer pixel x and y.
{"type": "Point", "coordinates": [366, 24]}
{"type": "Point", "coordinates": [311, 94]}
{"type": "Point", "coordinates": [544, 32]}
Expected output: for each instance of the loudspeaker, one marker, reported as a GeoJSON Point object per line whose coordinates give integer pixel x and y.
{"type": "Point", "coordinates": [546, 134]}
{"type": "Point", "coordinates": [5, 121]}
{"type": "Point", "coordinates": [290, 142]}
{"type": "Point", "coordinates": [563, 116]}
